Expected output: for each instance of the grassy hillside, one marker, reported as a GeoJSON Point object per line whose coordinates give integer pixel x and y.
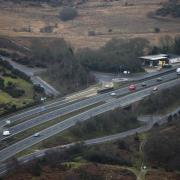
{"type": "Point", "coordinates": [106, 20]}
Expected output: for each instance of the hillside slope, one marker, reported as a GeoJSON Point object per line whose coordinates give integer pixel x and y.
{"type": "Point", "coordinates": [106, 20]}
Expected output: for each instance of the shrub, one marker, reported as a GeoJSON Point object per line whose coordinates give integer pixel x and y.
{"type": "Point", "coordinates": [156, 30]}
{"type": "Point", "coordinates": [68, 13]}
{"type": "Point", "coordinates": [159, 102]}
{"type": "Point", "coordinates": [10, 75]}
{"type": "Point", "coordinates": [6, 64]}
{"type": "Point", "coordinates": [162, 149]}
{"type": "Point", "coordinates": [36, 169]}
{"type": "Point", "coordinates": [21, 74]}
{"type": "Point", "coordinates": [123, 145]}
{"type": "Point", "coordinates": [156, 125]}
{"type": "Point", "coordinates": [105, 158]}
{"type": "Point", "coordinates": [175, 116]}
{"type": "Point", "coordinates": [169, 118]}
{"type": "Point", "coordinates": [4, 53]}
{"type": "Point", "coordinates": [38, 88]}
{"type": "Point", "coordinates": [13, 91]}
{"type": "Point", "coordinates": [91, 33]}
{"type": "Point", "coordinates": [1, 83]}
{"type": "Point", "coordinates": [47, 29]}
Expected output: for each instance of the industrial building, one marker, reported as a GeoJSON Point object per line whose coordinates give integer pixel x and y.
{"type": "Point", "coordinates": [155, 60]}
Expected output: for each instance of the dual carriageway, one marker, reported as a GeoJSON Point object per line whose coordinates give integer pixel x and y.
{"type": "Point", "coordinates": [47, 112]}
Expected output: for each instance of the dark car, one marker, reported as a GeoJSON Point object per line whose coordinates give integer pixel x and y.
{"type": "Point", "coordinates": [159, 79]}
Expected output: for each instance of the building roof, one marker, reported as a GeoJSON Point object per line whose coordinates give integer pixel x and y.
{"type": "Point", "coordinates": [155, 57]}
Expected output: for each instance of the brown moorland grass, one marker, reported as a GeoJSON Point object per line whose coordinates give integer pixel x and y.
{"type": "Point", "coordinates": [124, 21]}
{"type": "Point", "coordinates": [75, 171]}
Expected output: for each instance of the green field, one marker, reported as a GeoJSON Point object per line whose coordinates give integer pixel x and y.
{"type": "Point", "coordinates": [20, 102]}
{"type": "Point", "coordinates": [26, 98]}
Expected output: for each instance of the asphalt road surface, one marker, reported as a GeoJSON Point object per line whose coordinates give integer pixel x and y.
{"type": "Point", "coordinates": [59, 102]}
{"type": "Point", "coordinates": [44, 134]}
{"type": "Point", "coordinates": [79, 105]}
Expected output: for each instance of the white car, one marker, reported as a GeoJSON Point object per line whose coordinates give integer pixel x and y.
{"type": "Point", "coordinates": [178, 71]}
{"type": "Point", "coordinates": [155, 88]}
{"type": "Point", "coordinates": [43, 98]}
{"type": "Point", "coordinates": [8, 122]}
{"type": "Point", "coordinates": [36, 134]}
{"type": "Point", "coordinates": [113, 94]}
{"type": "Point", "coordinates": [6, 133]}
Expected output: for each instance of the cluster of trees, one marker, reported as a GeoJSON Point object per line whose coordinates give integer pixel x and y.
{"type": "Point", "coordinates": [61, 163]}
{"type": "Point", "coordinates": [160, 101]}
{"type": "Point", "coordinates": [68, 13]}
{"type": "Point", "coordinates": [14, 72]}
{"type": "Point", "coordinates": [167, 44]}
{"type": "Point", "coordinates": [172, 7]}
{"type": "Point", "coordinates": [11, 89]}
{"type": "Point", "coordinates": [117, 55]}
{"type": "Point", "coordinates": [110, 122]}
{"type": "Point", "coordinates": [162, 149]}
{"type": "Point", "coordinates": [8, 108]}
{"type": "Point", "coordinates": [63, 68]}
{"type": "Point", "coordinates": [104, 154]}
{"type": "Point", "coordinates": [38, 89]}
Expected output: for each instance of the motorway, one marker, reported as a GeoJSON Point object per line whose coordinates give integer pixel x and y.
{"type": "Point", "coordinates": [59, 103]}
{"type": "Point", "coordinates": [59, 127]}
{"type": "Point", "coordinates": [49, 106]}
{"type": "Point", "coordinates": [79, 105]}
{"type": "Point", "coordinates": [62, 102]}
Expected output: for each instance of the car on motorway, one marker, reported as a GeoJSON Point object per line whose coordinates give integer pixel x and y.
{"type": "Point", "coordinates": [143, 84]}
{"type": "Point", "coordinates": [36, 134]}
{"type": "Point", "coordinates": [8, 122]}
{"type": "Point", "coordinates": [43, 99]}
{"type": "Point", "coordinates": [159, 79]}
{"type": "Point", "coordinates": [132, 87]}
{"type": "Point", "coordinates": [113, 94]}
{"type": "Point", "coordinates": [155, 88]}
{"type": "Point", "coordinates": [42, 108]}
{"type": "Point", "coordinates": [178, 71]}
{"type": "Point", "coordinates": [6, 133]}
